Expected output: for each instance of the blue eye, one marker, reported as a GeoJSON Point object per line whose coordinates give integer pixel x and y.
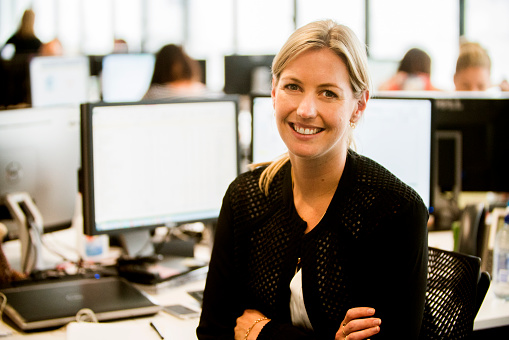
{"type": "Point", "coordinates": [292, 87]}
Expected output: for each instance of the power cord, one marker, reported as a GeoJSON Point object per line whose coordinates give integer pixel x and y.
{"type": "Point", "coordinates": [86, 315]}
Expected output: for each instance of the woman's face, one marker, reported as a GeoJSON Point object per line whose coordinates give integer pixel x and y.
{"type": "Point", "coordinates": [314, 105]}
{"type": "Point", "coordinates": [474, 78]}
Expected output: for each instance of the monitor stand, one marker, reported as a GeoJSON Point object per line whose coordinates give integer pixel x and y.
{"type": "Point", "coordinates": [30, 228]}
{"type": "Point", "coordinates": [137, 243]}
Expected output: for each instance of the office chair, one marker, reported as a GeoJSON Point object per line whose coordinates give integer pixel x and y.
{"type": "Point", "coordinates": [455, 291]}
{"type": "Point", "coordinates": [472, 238]}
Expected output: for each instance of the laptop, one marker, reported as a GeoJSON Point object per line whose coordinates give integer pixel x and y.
{"type": "Point", "coordinates": [53, 304]}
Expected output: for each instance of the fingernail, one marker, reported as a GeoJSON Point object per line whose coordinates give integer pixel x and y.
{"type": "Point", "coordinates": [371, 311]}
{"type": "Point", "coordinates": [377, 322]}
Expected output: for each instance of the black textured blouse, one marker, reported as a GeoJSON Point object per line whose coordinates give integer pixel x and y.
{"type": "Point", "coordinates": [369, 250]}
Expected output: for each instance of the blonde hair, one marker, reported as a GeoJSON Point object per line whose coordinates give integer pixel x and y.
{"type": "Point", "coordinates": [317, 35]}
{"type": "Point", "coordinates": [472, 54]}
{"type": "Point", "coordinates": [26, 27]}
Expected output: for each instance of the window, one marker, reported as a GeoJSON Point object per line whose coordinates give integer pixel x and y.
{"type": "Point", "coordinates": [263, 25]}
{"type": "Point", "coordinates": [492, 37]}
{"type": "Point", "coordinates": [349, 13]}
{"type": "Point", "coordinates": [398, 25]}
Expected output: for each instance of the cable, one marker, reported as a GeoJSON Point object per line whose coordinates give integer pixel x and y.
{"type": "Point", "coordinates": [2, 304]}
{"type": "Point", "coordinates": [86, 315]}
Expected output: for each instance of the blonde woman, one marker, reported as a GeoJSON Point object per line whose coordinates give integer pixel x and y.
{"type": "Point", "coordinates": [473, 68]}
{"type": "Point", "coordinates": [24, 39]}
{"type": "Point", "coordinates": [322, 243]}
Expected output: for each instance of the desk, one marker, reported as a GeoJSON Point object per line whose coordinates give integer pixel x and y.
{"type": "Point", "coordinates": [494, 312]}
{"type": "Point", "coordinates": [172, 327]}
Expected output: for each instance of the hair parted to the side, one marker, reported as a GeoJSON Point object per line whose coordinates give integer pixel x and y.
{"type": "Point", "coordinates": [317, 35]}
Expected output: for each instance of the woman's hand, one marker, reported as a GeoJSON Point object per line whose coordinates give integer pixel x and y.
{"type": "Point", "coordinates": [358, 324]}
{"type": "Point", "coordinates": [250, 324]}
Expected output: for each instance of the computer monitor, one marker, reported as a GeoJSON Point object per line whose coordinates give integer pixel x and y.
{"type": "Point", "coordinates": [59, 80]}
{"type": "Point", "coordinates": [245, 74]}
{"type": "Point", "coordinates": [150, 164]}
{"type": "Point", "coordinates": [480, 121]}
{"type": "Point", "coordinates": [126, 77]}
{"type": "Point", "coordinates": [396, 132]}
{"type": "Point", "coordinates": [40, 155]}
{"type": "Point", "coordinates": [266, 143]}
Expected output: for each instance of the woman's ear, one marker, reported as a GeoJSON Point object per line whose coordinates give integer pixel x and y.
{"type": "Point", "coordinates": [362, 103]}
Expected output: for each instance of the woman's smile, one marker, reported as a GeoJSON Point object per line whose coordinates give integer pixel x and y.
{"type": "Point", "coordinates": [305, 130]}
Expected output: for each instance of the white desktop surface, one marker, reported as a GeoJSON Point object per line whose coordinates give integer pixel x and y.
{"type": "Point", "coordinates": [494, 312]}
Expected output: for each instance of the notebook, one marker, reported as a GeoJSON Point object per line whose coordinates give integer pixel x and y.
{"type": "Point", "coordinates": [52, 304]}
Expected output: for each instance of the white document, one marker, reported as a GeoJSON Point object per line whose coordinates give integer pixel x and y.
{"type": "Point", "coordinates": [108, 331]}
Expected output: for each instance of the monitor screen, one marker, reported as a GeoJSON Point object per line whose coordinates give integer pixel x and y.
{"type": "Point", "coordinates": [40, 154]}
{"type": "Point", "coordinates": [245, 74]}
{"type": "Point", "coordinates": [394, 132]}
{"type": "Point", "coordinates": [126, 77]}
{"type": "Point", "coordinates": [266, 144]}
{"type": "Point", "coordinates": [481, 123]}
{"type": "Point", "coordinates": [59, 80]}
{"type": "Point", "coordinates": [153, 164]}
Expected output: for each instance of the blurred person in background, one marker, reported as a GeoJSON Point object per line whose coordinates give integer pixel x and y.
{"type": "Point", "coordinates": [473, 68]}
{"type": "Point", "coordinates": [176, 74]}
{"type": "Point", "coordinates": [413, 74]}
{"type": "Point", "coordinates": [24, 39]}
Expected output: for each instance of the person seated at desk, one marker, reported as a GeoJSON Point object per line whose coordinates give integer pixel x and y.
{"type": "Point", "coordinates": [414, 73]}
{"type": "Point", "coordinates": [175, 74]}
{"type": "Point", "coordinates": [15, 56]}
{"type": "Point", "coordinates": [473, 70]}
{"type": "Point", "coordinates": [24, 39]}
{"type": "Point", "coordinates": [322, 243]}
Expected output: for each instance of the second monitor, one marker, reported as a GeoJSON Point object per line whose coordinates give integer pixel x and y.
{"type": "Point", "coordinates": [395, 132]}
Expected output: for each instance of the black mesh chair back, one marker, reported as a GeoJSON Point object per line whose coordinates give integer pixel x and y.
{"type": "Point", "coordinates": [452, 295]}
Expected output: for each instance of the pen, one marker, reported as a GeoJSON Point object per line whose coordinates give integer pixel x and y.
{"type": "Point", "coordinates": [157, 330]}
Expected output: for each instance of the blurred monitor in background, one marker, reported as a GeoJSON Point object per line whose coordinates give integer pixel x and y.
{"type": "Point", "coordinates": [126, 77]}
{"type": "Point", "coordinates": [59, 80]}
{"type": "Point", "coordinates": [40, 155]}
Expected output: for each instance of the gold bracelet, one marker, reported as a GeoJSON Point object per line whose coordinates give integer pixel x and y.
{"type": "Point", "coordinates": [254, 324]}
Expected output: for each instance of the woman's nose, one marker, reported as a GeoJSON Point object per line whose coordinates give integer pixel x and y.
{"type": "Point", "coordinates": [307, 107]}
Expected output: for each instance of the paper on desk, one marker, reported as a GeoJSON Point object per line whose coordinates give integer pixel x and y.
{"type": "Point", "coordinates": [108, 331]}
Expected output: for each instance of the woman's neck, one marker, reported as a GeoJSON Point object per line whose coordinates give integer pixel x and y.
{"type": "Point", "coordinates": [314, 185]}
{"type": "Point", "coordinates": [315, 177]}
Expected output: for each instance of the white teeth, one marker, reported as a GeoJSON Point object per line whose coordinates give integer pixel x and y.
{"type": "Point", "coordinates": [306, 131]}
